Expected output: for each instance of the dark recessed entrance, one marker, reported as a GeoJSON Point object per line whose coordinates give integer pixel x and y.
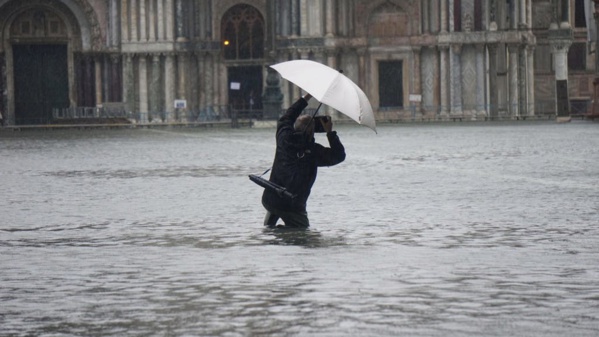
{"type": "Point", "coordinates": [245, 89]}
{"type": "Point", "coordinates": [391, 84]}
{"type": "Point", "coordinates": [41, 82]}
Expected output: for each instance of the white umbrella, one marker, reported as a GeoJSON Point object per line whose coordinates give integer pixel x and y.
{"type": "Point", "coordinates": [331, 87]}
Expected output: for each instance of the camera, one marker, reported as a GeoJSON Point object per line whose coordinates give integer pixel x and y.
{"type": "Point", "coordinates": [318, 123]}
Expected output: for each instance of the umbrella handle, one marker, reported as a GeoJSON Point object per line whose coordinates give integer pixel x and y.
{"type": "Point", "coordinates": [315, 112]}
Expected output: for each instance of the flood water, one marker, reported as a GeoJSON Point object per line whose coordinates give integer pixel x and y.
{"type": "Point", "coordinates": [425, 230]}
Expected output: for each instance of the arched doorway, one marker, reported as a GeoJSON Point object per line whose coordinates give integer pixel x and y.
{"type": "Point", "coordinates": [242, 36]}
{"type": "Point", "coordinates": [39, 42]}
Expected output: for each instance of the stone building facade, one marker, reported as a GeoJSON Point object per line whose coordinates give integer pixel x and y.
{"type": "Point", "coordinates": [434, 59]}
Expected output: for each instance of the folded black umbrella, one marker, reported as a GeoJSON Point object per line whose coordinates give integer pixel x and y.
{"type": "Point", "coordinates": [280, 190]}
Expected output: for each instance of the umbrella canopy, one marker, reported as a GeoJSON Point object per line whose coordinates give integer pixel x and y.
{"type": "Point", "coordinates": [329, 86]}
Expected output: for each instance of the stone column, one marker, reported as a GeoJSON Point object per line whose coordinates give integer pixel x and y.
{"type": "Point", "coordinates": [523, 14]}
{"type": "Point", "coordinates": [481, 84]}
{"type": "Point", "coordinates": [201, 80]}
{"type": "Point", "coordinates": [444, 79]}
{"type": "Point", "coordinates": [455, 58]}
{"type": "Point", "coordinates": [180, 20]}
{"type": "Point", "coordinates": [128, 85]}
{"type": "Point", "coordinates": [514, 97]}
{"type": "Point", "coordinates": [295, 18]}
{"type": "Point", "coordinates": [304, 18]}
{"type": "Point", "coordinates": [114, 23]}
{"type": "Point", "coordinates": [450, 15]}
{"type": "Point", "coordinates": [156, 115]}
{"type": "Point", "coordinates": [170, 25]}
{"type": "Point", "coordinates": [523, 79]}
{"type": "Point", "coordinates": [98, 79]}
{"type": "Point", "coordinates": [169, 87]}
{"type": "Point", "coordinates": [530, 14]}
{"type": "Point", "coordinates": [530, 79]}
{"type": "Point", "coordinates": [124, 21]}
{"type": "Point", "coordinates": [143, 89]}
{"type": "Point", "coordinates": [560, 64]}
{"type": "Point", "coordinates": [493, 95]}
{"type": "Point", "coordinates": [160, 20]}
{"type": "Point", "coordinates": [416, 80]}
{"type": "Point", "coordinates": [362, 68]}
{"type": "Point", "coordinates": [181, 85]}
{"type": "Point", "coordinates": [210, 84]}
{"type": "Point", "coordinates": [514, 17]}
{"type": "Point", "coordinates": [152, 18]}
{"type": "Point", "coordinates": [115, 86]}
{"type": "Point", "coordinates": [425, 16]}
{"type": "Point", "coordinates": [133, 17]}
{"type": "Point", "coordinates": [330, 18]}
{"type": "Point", "coordinates": [143, 34]}
{"type": "Point", "coordinates": [444, 25]}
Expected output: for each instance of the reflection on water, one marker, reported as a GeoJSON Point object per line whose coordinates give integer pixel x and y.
{"type": "Point", "coordinates": [424, 230]}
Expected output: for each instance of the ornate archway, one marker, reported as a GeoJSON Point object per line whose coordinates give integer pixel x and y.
{"type": "Point", "coordinates": [43, 35]}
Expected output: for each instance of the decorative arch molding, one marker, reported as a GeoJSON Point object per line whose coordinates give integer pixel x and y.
{"type": "Point", "coordinates": [222, 6]}
{"type": "Point", "coordinates": [411, 7]}
{"type": "Point", "coordinates": [78, 14]}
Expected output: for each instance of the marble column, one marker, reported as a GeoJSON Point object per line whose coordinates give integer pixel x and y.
{"type": "Point", "coordinates": [530, 79]}
{"type": "Point", "coordinates": [493, 92]}
{"type": "Point", "coordinates": [170, 24]}
{"type": "Point", "coordinates": [152, 17]}
{"type": "Point", "coordinates": [560, 64]}
{"type": "Point", "coordinates": [523, 14]}
{"type": "Point", "coordinates": [133, 17]}
{"type": "Point", "coordinates": [98, 79]}
{"type": "Point", "coordinates": [514, 16]}
{"type": "Point", "coordinates": [513, 80]}
{"type": "Point", "coordinates": [444, 79]}
{"type": "Point", "coordinates": [129, 84]}
{"type": "Point", "coordinates": [295, 23]}
{"type": "Point", "coordinates": [181, 85]}
{"type": "Point", "coordinates": [114, 23]}
{"type": "Point", "coordinates": [209, 72]}
{"type": "Point", "coordinates": [125, 20]}
{"type": "Point", "coordinates": [523, 79]}
{"type": "Point", "coordinates": [428, 74]}
{"type": "Point", "coordinates": [143, 33]}
{"type": "Point", "coordinates": [169, 87]}
{"type": "Point", "coordinates": [330, 18]}
{"type": "Point", "coordinates": [362, 68]}
{"type": "Point", "coordinates": [180, 20]}
{"type": "Point", "coordinates": [156, 111]}
{"type": "Point", "coordinates": [143, 88]}
{"type": "Point", "coordinates": [202, 81]}
{"type": "Point", "coordinates": [455, 58]}
{"type": "Point", "coordinates": [160, 20]}
{"type": "Point", "coordinates": [481, 83]}
{"type": "Point", "coordinates": [425, 16]}
{"type": "Point", "coordinates": [416, 79]}
{"type": "Point", "coordinates": [450, 15]}
{"type": "Point", "coordinates": [444, 23]}
{"type": "Point", "coordinates": [115, 85]}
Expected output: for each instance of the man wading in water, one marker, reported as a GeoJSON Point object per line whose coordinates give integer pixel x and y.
{"type": "Point", "coordinates": [296, 163]}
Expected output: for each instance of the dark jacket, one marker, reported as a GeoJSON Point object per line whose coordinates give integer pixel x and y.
{"type": "Point", "coordinates": [297, 160]}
